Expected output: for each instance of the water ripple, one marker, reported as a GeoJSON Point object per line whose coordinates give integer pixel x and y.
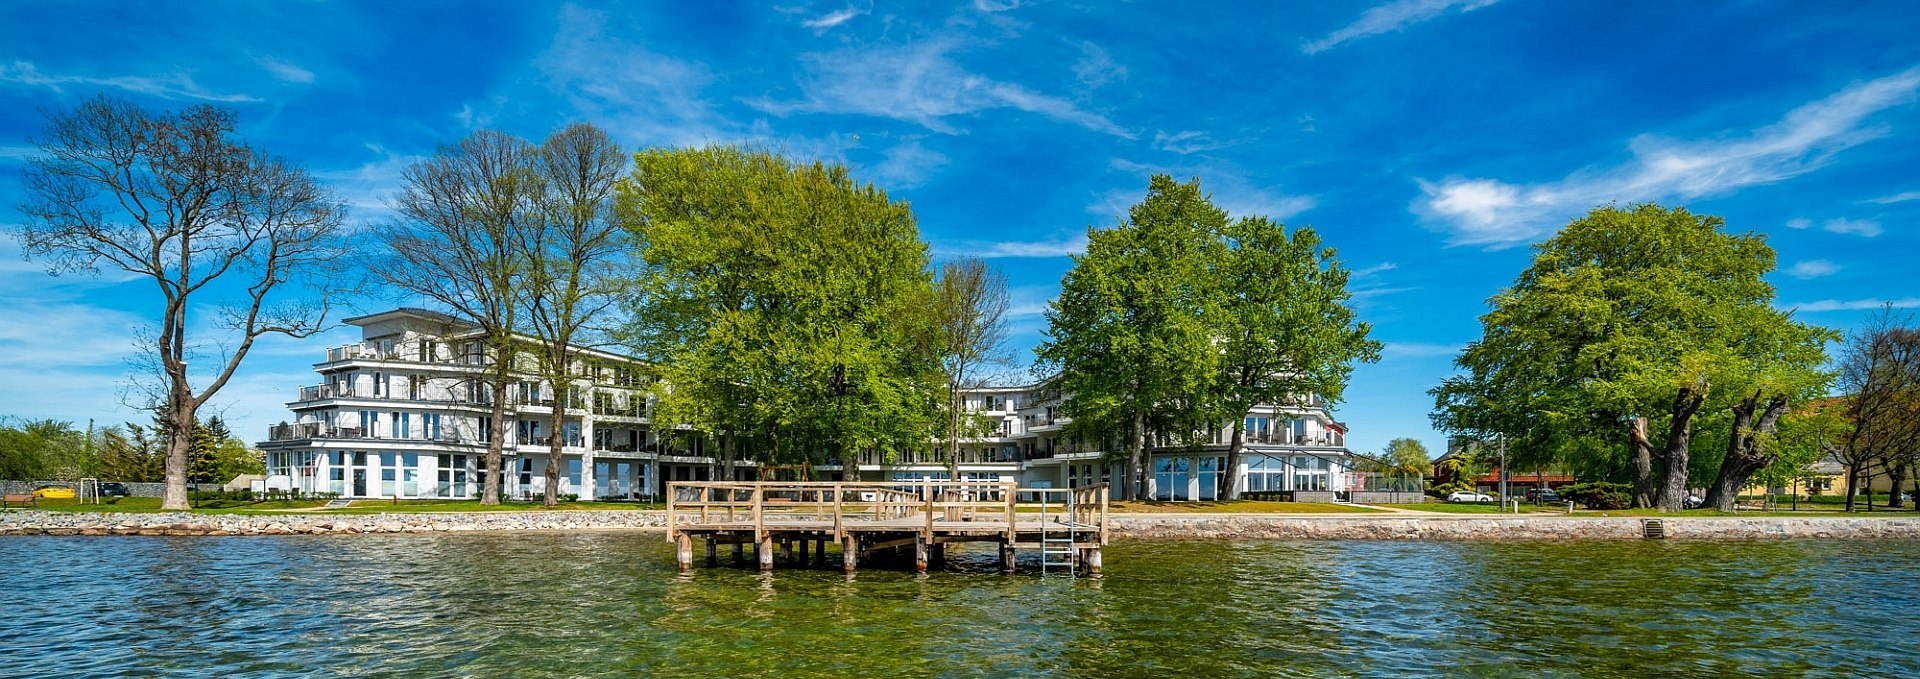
{"type": "Point", "coordinates": [577, 605]}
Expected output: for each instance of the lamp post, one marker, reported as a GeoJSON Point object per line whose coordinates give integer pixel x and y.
{"type": "Point", "coordinates": [1503, 468]}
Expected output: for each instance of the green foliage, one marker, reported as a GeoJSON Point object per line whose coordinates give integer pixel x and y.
{"type": "Point", "coordinates": [40, 449]}
{"type": "Point", "coordinates": [134, 453]}
{"type": "Point", "coordinates": [1599, 494]}
{"type": "Point", "coordinates": [784, 303]}
{"type": "Point", "coordinates": [1618, 313]}
{"type": "Point", "coordinates": [1408, 456]}
{"type": "Point", "coordinates": [1131, 336]}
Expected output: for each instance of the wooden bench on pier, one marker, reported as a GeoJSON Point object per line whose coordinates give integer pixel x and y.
{"type": "Point", "coordinates": [1067, 526]}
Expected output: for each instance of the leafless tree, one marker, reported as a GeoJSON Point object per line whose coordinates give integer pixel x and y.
{"type": "Point", "coordinates": [572, 271]}
{"type": "Point", "coordinates": [971, 304]}
{"type": "Point", "coordinates": [1880, 378]}
{"type": "Point", "coordinates": [461, 244]}
{"type": "Point", "coordinates": [177, 199]}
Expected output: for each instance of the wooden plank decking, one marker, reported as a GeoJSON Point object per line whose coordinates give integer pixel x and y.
{"type": "Point", "coordinates": [1067, 526]}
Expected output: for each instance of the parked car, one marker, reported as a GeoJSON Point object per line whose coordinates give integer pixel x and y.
{"type": "Point", "coordinates": [53, 493]}
{"type": "Point", "coordinates": [1465, 496]}
{"type": "Point", "coordinates": [113, 489]}
{"type": "Point", "coordinates": [1543, 496]}
{"type": "Point", "coordinates": [1692, 502]}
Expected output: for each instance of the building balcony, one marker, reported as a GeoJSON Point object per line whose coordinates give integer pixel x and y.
{"type": "Point", "coordinates": [304, 431]}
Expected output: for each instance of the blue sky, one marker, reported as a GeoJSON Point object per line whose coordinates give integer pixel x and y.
{"type": "Point", "coordinates": [1429, 140]}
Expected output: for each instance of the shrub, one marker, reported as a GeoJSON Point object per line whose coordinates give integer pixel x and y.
{"type": "Point", "coordinates": [1599, 494]}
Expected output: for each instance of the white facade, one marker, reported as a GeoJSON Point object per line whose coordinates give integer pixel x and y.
{"type": "Point", "coordinates": [1295, 447]}
{"type": "Point", "coordinates": [404, 413]}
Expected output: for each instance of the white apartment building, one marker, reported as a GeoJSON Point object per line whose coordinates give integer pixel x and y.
{"type": "Point", "coordinates": [404, 413]}
{"type": "Point", "coordinates": [1295, 447]}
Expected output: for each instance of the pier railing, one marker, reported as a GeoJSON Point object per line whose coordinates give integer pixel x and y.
{"type": "Point", "coordinates": [919, 504]}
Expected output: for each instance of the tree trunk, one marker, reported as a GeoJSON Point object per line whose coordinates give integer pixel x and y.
{"type": "Point", "coordinates": [555, 443]}
{"type": "Point", "coordinates": [1853, 483]}
{"type": "Point", "coordinates": [1136, 452]}
{"type": "Point", "coordinates": [1894, 478]}
{"type": "Point", "coordinates": [180, 421]}
{"type": "Point", "coordinates": [490, 492]}
{"type": "Point", "coordinates": [1232, 472]}
{"type": "Point", "coordinates": [1744, 454]}
{"type": "Point", "coordinates": [1643, 483]}
{"type": "Point", "coordinates": [1673, 483]}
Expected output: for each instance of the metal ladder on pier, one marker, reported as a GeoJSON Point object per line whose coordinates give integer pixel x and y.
{"type": "Point", "coordinates": [1052, 548]}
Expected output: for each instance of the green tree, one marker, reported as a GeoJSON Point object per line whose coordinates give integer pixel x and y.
{"type": "Point", "coordinates": [180, 201]}
{"type": "Point", "coordinates": [1132, 336]}
{"type": "Point", "coordinates": [971, 311]}
{"type": "Point", "coordinates": [134, 454]}
{"type": "Point", "coordinates": [33, 450]}
{"type": "Point", "coordinates": [1287, 331]}
{"type": "Point", "coordinates": [461, 244]}
{"type": "Point", "coordinates": [784, 303]}
{"type": "Point", "coordinates": [572, 248]}
{"type": "Point", "coordinates": [1631, 316]}
{"type": "Point", "coordinates": [1408, 456]}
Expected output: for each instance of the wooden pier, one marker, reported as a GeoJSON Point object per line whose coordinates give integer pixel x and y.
{"type": "Point", "coordinates": [1067, 527]}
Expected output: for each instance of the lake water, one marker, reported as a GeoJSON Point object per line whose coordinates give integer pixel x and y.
{"type": "Point", "coordinates": [536, 605]}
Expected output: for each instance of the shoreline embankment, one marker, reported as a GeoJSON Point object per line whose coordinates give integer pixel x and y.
{"type": "Point", "coordinates": [1130, 526]}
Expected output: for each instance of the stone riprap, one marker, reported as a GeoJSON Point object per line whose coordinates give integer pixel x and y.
{"type": "Point", "coordinates": [29, 522]}
{"type": "Point", "coordinates": [1507, 528]}
{"type": "Point", "coordinates": [1398, 527]}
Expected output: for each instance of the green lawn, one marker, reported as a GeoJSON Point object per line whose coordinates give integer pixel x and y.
{"type": "Point", "coordinates": [1476, 508]}
{"type": "Point", "coordinates": [1237, 507]}
{"type": "Point", "coordinates": [152, 504]}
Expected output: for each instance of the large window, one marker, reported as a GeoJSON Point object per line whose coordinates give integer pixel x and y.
{"type": "Point", "coordinates": [387, 469]}
{"type": "Point", "coordinates": [409, 475]}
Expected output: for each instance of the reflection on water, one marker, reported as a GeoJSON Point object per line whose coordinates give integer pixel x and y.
{"type": "Point", "coordinates": [607, 604]}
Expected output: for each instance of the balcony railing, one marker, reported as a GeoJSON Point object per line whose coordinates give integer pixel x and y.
{"type": "Point", "coordinates": [301, 431]}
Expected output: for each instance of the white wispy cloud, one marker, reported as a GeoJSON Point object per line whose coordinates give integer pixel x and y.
{"type": "Point", "coordinates": [1420, 349]}
{"type": "Point", "coordinates": [179, 85]}
{"type": "Point", "coordinates": [1850, 304]}
{"type": "Point", "coordinates": [641, 96]}
{"type": "Point", "coordinates": [827, 21]}
{"type": "Point", "coordinates": [1013, 249]}
{"type": "Point", "coordinates": [992, 6]}
{"type": "Point", "coordinates": [1375, 270]}
{"type": "Point", "coordinates": [1187, 141]}
{"type": "Point", "coordinates": [285, 70]}
{"type": "Point", "coordinates": [908, 165]}
{"type": "Point", "coordinates": [1391, 17]}
{"type": "Point", "coordinates": [1854, 227]}
{"type": "Point", "coordinates": [368, 186]}
{"type": "Point", "coordinates": [1096, 67]}
{"type": "Point", "coordinates": [1857, 227]}
{"type": "Point", "coordinates": [1901, 197]}
{"type": "Point", "coordinates": [1229, 189]}
{"type": "Point", "coordinates": [1813, 268]}
{"type": "Point", "coordinates": [920, 84]}
{"type": "Point", "coordinates": [1496, 213]}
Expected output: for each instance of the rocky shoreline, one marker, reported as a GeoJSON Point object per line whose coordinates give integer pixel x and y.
{"type": "Point", "coordinates": [1165, 527]}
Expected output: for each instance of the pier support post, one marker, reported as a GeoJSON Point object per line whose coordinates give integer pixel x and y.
{"type": "Point", "coordinates": [1006, 557]}
{"type": "Point", "coordinates": [1093, 561]}
{"type": "Point", "coordinates": [803, 551]}
{"type": "Point", "coordinates": [786, 550]}
{"type": "Point", "coordinates": [920, 553]}
{"type": "Point", "coordinates": [939, 555]}
{"type": "Point", "coordinates": [765, 550]}
{"type": "Point", "coordinates": [713, 551]}
{"type": "Point", "coordinates": [684, 543]}
{"type": "Point", "coordinates": [820, 552]}
{"type": "Point", "coordinates": [739, 552]}
{"type": "Point", "coordinates": [851, 554]}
